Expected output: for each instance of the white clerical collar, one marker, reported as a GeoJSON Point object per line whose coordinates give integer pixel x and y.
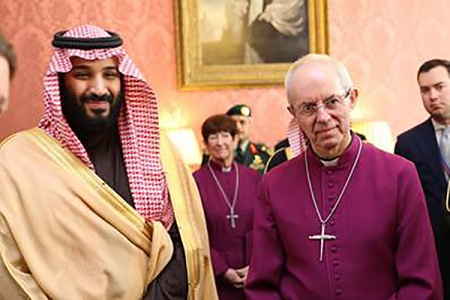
{"type": "Point", "coordinates": [330, 163]}
{"type": "Point", "coordinates": [226, 169]}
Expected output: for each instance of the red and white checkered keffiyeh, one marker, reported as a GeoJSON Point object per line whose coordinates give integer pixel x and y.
{"type": "Point", "coordinates": [296, 137]}
{"type": "Point", "coordinates": [138, 125]}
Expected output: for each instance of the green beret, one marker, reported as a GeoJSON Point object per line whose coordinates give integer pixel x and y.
{"type": "Point", "coordinates": [240, 110]}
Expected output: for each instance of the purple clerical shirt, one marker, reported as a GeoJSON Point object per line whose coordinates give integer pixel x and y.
{"type": "Point", "coordinates": [384, 248]}
{"type": "Point", "coordinates": [230, 247]}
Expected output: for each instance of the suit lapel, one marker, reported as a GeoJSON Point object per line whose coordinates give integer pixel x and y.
{"type": "Point", "coordinates": [426, 141]}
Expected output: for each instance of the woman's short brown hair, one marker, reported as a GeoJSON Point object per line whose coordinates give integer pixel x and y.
{"type": "Point", "coordinates": [218, 123]}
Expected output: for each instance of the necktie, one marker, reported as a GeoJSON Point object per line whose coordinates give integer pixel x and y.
{"type": "Point", "coordinates": [444, 145]}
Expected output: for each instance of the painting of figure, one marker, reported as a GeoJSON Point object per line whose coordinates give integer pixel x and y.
{"type": "Point", "coordinates": [234, 32]}
{"type": "Point", "coordinates": [239, 43]}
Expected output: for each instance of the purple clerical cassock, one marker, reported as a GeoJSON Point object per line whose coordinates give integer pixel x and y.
{"type": "Point", "coordinates": [230, 230]}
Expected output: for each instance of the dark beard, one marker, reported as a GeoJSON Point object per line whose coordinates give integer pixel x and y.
{"type": "Point", "coordinates": [91, 130]}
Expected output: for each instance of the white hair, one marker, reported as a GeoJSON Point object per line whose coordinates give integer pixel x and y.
{"type": "Point", "coordinates": [341, 71]}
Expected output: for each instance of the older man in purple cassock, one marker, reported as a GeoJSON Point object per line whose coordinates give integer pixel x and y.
{"type": "Point", "coordinates": [228, 191]}
{"type": "Point", "coordinates": [343, 219]}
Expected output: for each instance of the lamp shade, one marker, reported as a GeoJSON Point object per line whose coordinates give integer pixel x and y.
{"type": "Point", "coordinates": [186, 142]}
{"type": "Point", "coordinates": [377, 133]}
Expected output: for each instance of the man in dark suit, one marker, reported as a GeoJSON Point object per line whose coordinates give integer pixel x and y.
{"type": "Point", "coordinates": [425, 145]}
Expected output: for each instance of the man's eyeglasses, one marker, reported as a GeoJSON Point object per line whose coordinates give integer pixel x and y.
{"type": "Point", "coordinates": [331, 103]}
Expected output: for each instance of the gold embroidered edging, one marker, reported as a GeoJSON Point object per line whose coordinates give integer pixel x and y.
{"type": "Point", "coordinates": [288, 156]}
{"type": "Point", "coordinates": [447, 205]}
{"type": "Point", "coordinates": [189, 241]}
{"type": "Point", "coordinates": [180, 189]}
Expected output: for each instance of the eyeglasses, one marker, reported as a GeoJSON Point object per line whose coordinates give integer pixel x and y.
{"type": "Point", "coordinates": [330, 104]}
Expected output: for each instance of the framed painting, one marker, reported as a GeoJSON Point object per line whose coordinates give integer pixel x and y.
{"type": "Point", "coordinates": [245, 43]}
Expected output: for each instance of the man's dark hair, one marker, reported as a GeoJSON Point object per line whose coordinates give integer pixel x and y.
{"type": "Point", "coordinates": [218, 123]}
{"type": "Point", "coordinates": [7, 51]}
{"type": "Point", "coordinates": [433, 63]}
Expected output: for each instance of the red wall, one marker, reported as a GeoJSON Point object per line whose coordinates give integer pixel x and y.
{"type": "Point", "coordinates": [382, 45]}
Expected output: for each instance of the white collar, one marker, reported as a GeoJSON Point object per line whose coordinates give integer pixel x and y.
{"type": "Point", "coordinates": [226, 169]}
{"type": "Point", "coordinates": [330, 163]}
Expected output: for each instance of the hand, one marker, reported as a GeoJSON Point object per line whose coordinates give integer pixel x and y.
{"type": "Point", "coordinates": [232, 277]}
{"type": "Point", "coordinates": [243, 272]}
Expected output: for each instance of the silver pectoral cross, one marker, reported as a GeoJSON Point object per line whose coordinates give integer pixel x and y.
{"type": "Point", "coordinates": [322, 237]}
{"type": "Point", "coordinates": [232, 216]}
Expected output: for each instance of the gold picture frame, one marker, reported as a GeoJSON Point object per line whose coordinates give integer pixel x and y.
{"type": "Point", "coordinates": [198, 70]}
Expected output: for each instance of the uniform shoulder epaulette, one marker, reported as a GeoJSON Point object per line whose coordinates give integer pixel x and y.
{"type": "Point", "coordinates": [277, 157]}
